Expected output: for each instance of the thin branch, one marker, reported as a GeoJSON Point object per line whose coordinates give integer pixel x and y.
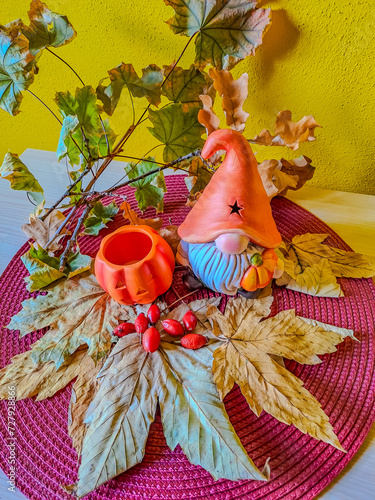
{"type": "Point", "coordinates": [67, 192]}
{"type": "Point", "coordinates": [62, 60]}
{"type": "Point", "coordinates": [45, 105]}
{"type": "Point", "coordinates": [132, 102]}
{"type": "Point", "coordinates": [73, 239]}
{"type": "Point", "coordinates": [61, 227]}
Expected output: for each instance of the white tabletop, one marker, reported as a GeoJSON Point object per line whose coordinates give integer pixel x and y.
{"type": "Point", "coordinates": [351, 215]}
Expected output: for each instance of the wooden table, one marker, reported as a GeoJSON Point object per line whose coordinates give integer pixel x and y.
{"type": "Point", "coordinates": [351, 215]}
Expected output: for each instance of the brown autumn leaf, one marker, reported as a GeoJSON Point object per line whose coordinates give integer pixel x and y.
{"type": "Point", "coordinates": [135, 220]}
{"type": "Point", "coordinates": [278, 176]}
{"type": "Point", "coordinates": [233, 94]}
{"type": "Point", "coordinates": [31, 378]}
{"type": "Point", "coordinates": [78, 312]}
{"type": "Point", "coordinates": [207, 116]}
{"type": "Point", "coordinates": [244, 357]}
{"type": "Point", "coordinates": [169, 233]}
{"type": "Point", "coordinates": [83, 391]}
{"type": "Point", "coordinates": [317, 280]}
{"type": "Point", "coordinates": [42, 231]}
{"type": "Point", "coordinates": [287, 132]}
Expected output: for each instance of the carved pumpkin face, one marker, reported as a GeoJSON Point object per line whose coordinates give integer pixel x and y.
{"type": "Point", "coordinates": [134, 265]}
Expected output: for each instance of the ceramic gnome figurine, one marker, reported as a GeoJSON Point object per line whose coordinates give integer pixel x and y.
{"type": "Point", "coordinates": [229, 236]}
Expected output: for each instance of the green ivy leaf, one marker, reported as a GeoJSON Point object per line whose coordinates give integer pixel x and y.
{"type": "Point", "coordinates": [125, 75]}
{"type": "Point", "coordinates": [150, 190]}
{"type": "Point", "coordinates": [47, 28]}
{"type": "Point", "coordinates": [44, 269]}
{"type": "Point", "coordinates": [21, 179]}
{"type": "Point", "coordinates": [83, 105]}
{"type": "Point", "coordinates": [99, 216]}
{"type": "Point", "coordinates": [16, 68]}
{"type": "Point", "coordinates": [228, 30]}
{"type": "Point", "coordinates": [185, 85]}
{"type": "Point", "coordinates": [178, 128]}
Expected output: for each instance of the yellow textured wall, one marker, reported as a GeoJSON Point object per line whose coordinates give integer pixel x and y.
{"type": "Point", "coordinates": [317, 58]}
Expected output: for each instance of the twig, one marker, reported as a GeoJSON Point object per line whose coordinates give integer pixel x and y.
{"type": "Point", "coordinates": [73, 239]}
{"type": "Point", "coordinates": [45, 105]}
{"type": "Point", "coordinates": [61, 227]}
{"type": "Point", "coordinates": [62, 60]}
{"type": "Point", "coordinates": [67, 192]}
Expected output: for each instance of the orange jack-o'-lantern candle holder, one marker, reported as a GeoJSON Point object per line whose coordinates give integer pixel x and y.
{"type": "Point", "coordinates": [134, 265]}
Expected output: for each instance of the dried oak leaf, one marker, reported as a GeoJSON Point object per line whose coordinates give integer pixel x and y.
{"type": "Point", "coordinates": [280, 175]}
{"type": "Point", "coordinates": [135, 220]}
{"type": "Point", "coordinates": [118, 420]}
{"type": "Point", "coordinates": [78, 312]}
{"type": "Point", "coordinates": [31, 378]}
{"type": "Point", "coordinates": [207, 116]}
{"type": "Point", "coordinates": [244, 358]}
{"type": "Point", "coordinates": [287, 132]}
{"type": "Point", "coordinates": [41, 231]}
{"type": "Point", "coordinates": [233, 94]}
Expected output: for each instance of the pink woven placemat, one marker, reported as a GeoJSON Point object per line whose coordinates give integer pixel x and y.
{"type": "Point", "coordinates": [301, 466]}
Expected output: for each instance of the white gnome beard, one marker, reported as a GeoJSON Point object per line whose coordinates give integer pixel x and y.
{"type": "Point", "coordinates": [219, 271]}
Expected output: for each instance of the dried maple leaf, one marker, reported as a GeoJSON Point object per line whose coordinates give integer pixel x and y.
{"type": "Point", "coordinates": [244, 358]}
{"type": "Point", "coordinates": [78, 312]}
{"type": "Point", "coordinates": [278, 176]}
{"type": "Point", "coordinates": [317, 280]}
{"type": "Point", "coordinates": [83, 391]}
{"type": "Point", "coordinates": [119, 417]}
{"type": "Point", "coordinates": [41, 231]}
{"type": "Point", "coordinates": [207, 116]}
{"type": "Point", "coordinates": [31, 378]}
{"type": "Point", "coordinates": [287, 132]}
{"type": "Point", "coordinates": [233, 94]}
{"type": "Point", "coordinates": [308, 249]}
{"type": "Point", "coordinates": [133, 218]}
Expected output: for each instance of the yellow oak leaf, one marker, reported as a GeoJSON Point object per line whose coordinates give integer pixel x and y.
{"type": "Point", "coordinates": [207, 116]}
{"type": "Point", "coordinates": [133, 218]}
{"type": "Point", "coordinates": [246, 353]}
{"type": "Point", "coordinates": [287, 132]}
{"type": "Point", "coordinates": [233, 94]}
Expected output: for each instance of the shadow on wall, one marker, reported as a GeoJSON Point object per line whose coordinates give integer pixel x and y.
{"type": "Point", "coordinates": [279, 40]}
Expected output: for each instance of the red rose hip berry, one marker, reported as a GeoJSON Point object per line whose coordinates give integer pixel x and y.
{"type": "Point", "coordinates": [190, 321]}
{"type": "Point", "coordinates": [151, 339]}
{"type": "Point", "coordinates": [141, 323]}
{"type": "Point", "coordinates": [173, 327]}
{"type": "Point", "coordinates": [124, 329]}
{"type": "Point", "coordinates": [153, 313]}
{"type": "Point", "coordinates": [193, 341]}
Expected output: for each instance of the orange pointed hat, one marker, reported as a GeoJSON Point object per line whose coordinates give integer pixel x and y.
{"type": "Point", "coordinates": [234, 201]}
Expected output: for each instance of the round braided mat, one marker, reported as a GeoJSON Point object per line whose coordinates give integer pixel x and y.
{"type": "Point", "coordinates": [301, 466]}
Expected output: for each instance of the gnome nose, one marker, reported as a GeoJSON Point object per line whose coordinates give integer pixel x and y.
{"type": "Point", "coordinates": [232, 243]}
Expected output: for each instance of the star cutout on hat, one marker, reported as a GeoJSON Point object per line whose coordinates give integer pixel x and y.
{"type": "Point", "coordinates": [235, 208]}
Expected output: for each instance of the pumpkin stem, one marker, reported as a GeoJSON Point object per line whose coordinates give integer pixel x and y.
{"type": "Point", "coordinates": [256, 260]}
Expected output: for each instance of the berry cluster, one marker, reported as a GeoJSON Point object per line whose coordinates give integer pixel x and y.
{"type": "Point", "coordinates": [151, 335]}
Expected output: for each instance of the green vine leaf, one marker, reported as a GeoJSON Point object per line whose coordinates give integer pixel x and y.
{"type": "Point", "coordinates": [178, 128]}
{"type": "Point", "coordinates": [99, 216]}
{"type": "Point", "coordinates": [16, 68]}
{"type": "Point", "coordinates": [47, 28]}
{"type": "Point", "coordinates": [21, 179]}
{"type": "Point", "coordinates": [228, 30]}
{"type": "Point", "coordinates": [78, 312]}
{"type": "Point", "coordinates": [186, 85]}
{"type": "Point", "coordinates": [83, 105]}
{"type": "Point", "coordinates": [148, 85]}
{"type": "Point", "coordinates": [150, 190]}
{"type": "Point", "coordinates": [44, 269]}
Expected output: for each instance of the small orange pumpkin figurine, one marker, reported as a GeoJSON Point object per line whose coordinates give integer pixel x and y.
{"type": "Point", "coordinates": [231, 221]}
{"type": "Point", "coordinates": [134, 265]}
